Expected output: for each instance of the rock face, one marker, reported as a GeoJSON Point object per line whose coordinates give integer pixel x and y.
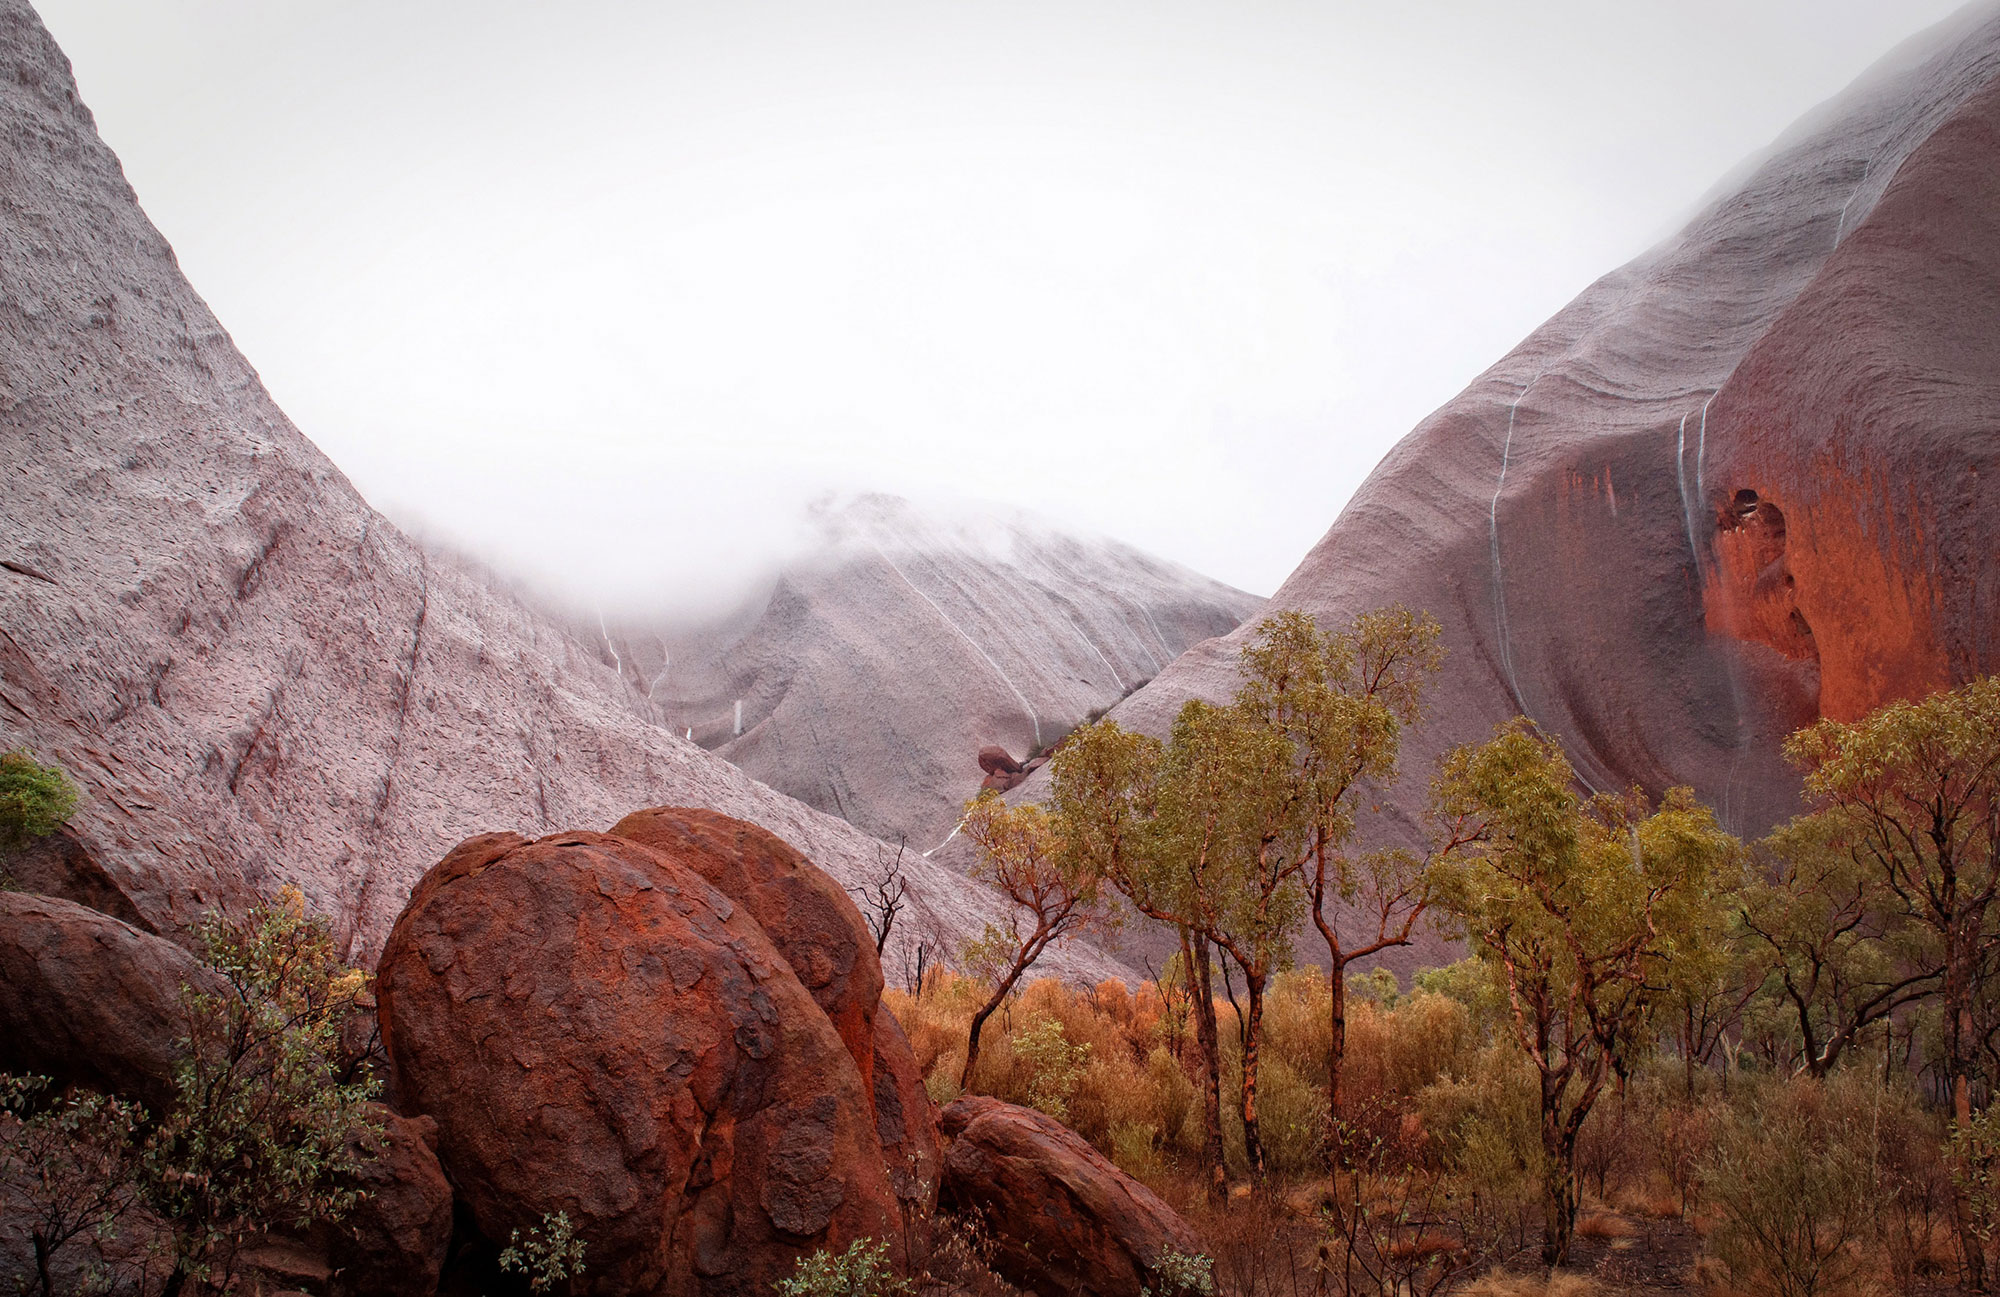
{"type": "Point", "coordinates": [879, 664]}
{"type": "Point", "coordinates": [254, 677]}
{"type": "Point", "coordinates": [807, 916]}
{"type": "Point", "coordinates": [393, 1243]}
{"type": "Point", "coordinates": [598, 1031]}
{"type": "Point", "coordinates": [905, 1121]}
{"type": "Point", "coordinates": [1063, 1219]}
{"type": "Point", "coordinates": [89, 1000]}
{"type": "Point", "coordinates": [1740, 483]}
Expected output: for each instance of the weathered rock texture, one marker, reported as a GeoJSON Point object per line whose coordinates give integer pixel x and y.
{"type": "Point", "coordinates": [598, 1031]}
{"type": "Point", "coordinates": [1063, 1219]}
{"type": "Point", "coordinates": [393, 1242]}
{"type": "Point", "coordinates": [906, 1122]}
{"type": "Point", "coordinates": [253, 676]}
{"type": "Point", "coordinates": [1740, 483]}
{"type": "Point", "coordinates": [880, 665]}
{"type": "Point", "coordinates": [91, 1001]}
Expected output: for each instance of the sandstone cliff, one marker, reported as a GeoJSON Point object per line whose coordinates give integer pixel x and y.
{"type": "Point", "coordinates": [1741, 482]}
{"type": "Point", "coordinates": [868, 679]}
{"type": "Point", "coordinates": [254, 677]}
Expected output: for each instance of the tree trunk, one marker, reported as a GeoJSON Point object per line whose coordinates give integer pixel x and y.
{"type": "Point", "coordinates": [42, 1265]}
{"type": "Point", "coordinates": [1208, 1044]}
{"type": "Point", "coordinates": [1336, 1059]}
{"type": "Point", "coordinates": [972, 1042]}
{"type": "Point", "coordinates": [1958, 1046]}
{"type": "Point", "coordinates": [1253, 1146]}
{"type": "Point", "coordinates": [1559, 1194]}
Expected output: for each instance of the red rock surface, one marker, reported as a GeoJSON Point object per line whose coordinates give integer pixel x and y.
{"type": "Point", "coordinates": [393, 1243]}
{"type": "Point", "coordinates": [1822, 334]}
{"type": "Point", "coordinates": [1063, 1219]}
{"type": "Point", "coordinates": [905, 1117]}
{"type": "Point", "coordinates": [909, 640]}
{"type": "Point", "coordinates": [597, 1030]}
{"type": "Point", "coordinates": [807, 916]}
{"type": "Point", "coordinates": [254, 677]}
{"type": "Point", "coordinates": [89, 1000]}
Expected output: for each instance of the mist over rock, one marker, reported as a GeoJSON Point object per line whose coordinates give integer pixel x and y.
{"type": "Point", "coordinates": [885, 659]}
{"type": "Point", "coordinates": [1737, 484]}
{"type": "Point", "coordinates": [254, 678]}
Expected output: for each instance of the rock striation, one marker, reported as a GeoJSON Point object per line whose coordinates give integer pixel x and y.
{"type": "Point", "coordinates": [253, 676]}
{"type": "Point", "coordinates": [599, 1030]}
{"type": "Point", "coordinates": [881, 663]}
{"type": "Point", "coordinates": [1740, 483]}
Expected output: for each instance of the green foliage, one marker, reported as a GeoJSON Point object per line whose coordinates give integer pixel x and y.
{"type": "Point", "coordinates": [863, 1270]}
{"type": "Point", "coordinates": [550, 1254]}
{"type": "Point", "coordinates": [70, 1164]}
{"type": "Point", "coordinates": [257, 1137]}
{"type": "Point", "coordinates": [1180, 1274]}
{"type": "Point", "coordinates": [34, 800]}
{"type": "Point", "coordinates": [1055, 1065]}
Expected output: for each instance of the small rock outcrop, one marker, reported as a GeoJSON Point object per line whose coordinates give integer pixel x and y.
{"type": "Point", "coordinates": [806, 914]}
{"type": "Point", "coordinates": [1064, 1220]}
{"type": "Point", "coordinates": [90, 1000]}
{"type": "Point", "coordinates": [599, 1031]}
{"type": "Point", "coordinates": [393, 1243]}
{"type": "Point", "coordinates": [1002, 771]}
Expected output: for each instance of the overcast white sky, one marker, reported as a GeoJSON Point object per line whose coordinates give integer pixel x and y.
{"type": "Point", "coordinates": [605, 290]}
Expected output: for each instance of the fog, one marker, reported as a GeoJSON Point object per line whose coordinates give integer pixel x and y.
{"type": "Point", "coordinates": [607, 292]}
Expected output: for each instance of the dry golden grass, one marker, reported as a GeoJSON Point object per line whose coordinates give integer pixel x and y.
{"type": "Point", "coordinates": [1503, 1283]}
{"type": "Point", "coordinates": [1605, 1224]}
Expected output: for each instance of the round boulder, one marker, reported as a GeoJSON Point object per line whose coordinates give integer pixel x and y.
{"type": "Point", "coordinates": [905, 1117]}
{"type": "Point", "coordinates": [393, 1243]}
{"type": "Point", "coordinates": [1064, 1220]}
{"type": "Point", "coordinates": [598, 1031]}
{"type": "Point", "coordinates": [805, 913]}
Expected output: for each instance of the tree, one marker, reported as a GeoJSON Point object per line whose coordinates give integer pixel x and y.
{"type": "Point", "coordinates": [71, 1163]}
{"type": "Point", "coordinates": [1341, 699]}
{"type": "Point", "coordinates": [1912, 794]}
{"type": "Point", "coordinates": [1055, 896]}
{"type": "Point", "coordinates": [883, 898]}
{"type": "Point", "coordinates": [1581, 908]}
{"type": "Point", "coordinates": [257, 1135]}
{"type": "Point", "coordinates": [34, 800]}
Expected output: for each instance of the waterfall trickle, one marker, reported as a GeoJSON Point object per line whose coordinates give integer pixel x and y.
{"type": "Point", "coordinates": [1500, 626]}
{"type": "Point", "coordinates": [945, 617]}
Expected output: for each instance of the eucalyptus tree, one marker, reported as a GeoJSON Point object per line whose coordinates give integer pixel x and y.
{"type": "Point", "coordinates": [1582, 908]}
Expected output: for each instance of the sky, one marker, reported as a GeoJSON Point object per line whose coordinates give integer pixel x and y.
{"type": "Point", "coordinates": [604, 291]}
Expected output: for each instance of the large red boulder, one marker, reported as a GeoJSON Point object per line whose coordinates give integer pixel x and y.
{"type": "Point", "coordinates": [905, 1117]}
{"type": "Point", "coordinates": [806, 914]}
{"type": "Point", "coordinates": [90, 1000]}
{"type": "Point", "coordinates": [598, 1031]}
{"type": "Point", "coordinates": [393, 1242]}
{"type": "Point", "coordinates": [1063, 1219]}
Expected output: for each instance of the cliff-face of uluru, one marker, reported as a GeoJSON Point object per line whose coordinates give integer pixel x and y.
{"type": "Point", "coordinates": [1742, 482]}
{"type": "Point", "coordinates": [883, 660]}
{"type": "Point", "coordinates": [255, 678]}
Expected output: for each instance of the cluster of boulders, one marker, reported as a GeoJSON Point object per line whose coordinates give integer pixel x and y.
{"type": "Point", "coordinates": [671, 1034]}
{"type": "Point", "coordinates": [1003, 773]}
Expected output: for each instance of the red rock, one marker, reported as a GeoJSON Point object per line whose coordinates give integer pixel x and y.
{"type": "Point", "coordinates": [998, 761]}
{"type": "Point", "coordinates": [90, 1000]}
{"type": "Point", "coordinates": [1736, 485]}
{"type": "Point", "coordinates": [905, 1117]}
{"type": "Point", "coordinates": [1063, 1219]}
{"type": "Point", "coordinates": [805, 913]}
{"type": "Point", "coordinates": [597, 1030]}
{"type": "Point", "coordinates": [393, 1243]}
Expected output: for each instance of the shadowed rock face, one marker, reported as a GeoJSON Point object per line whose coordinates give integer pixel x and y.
{"type": "Point", "coordinates": [1737, 484]}
{"type": "Point", "coordinates": [598, 1031]}
{"type": "Point", "coordinates": [254, 678]}
{"type": "Point", "coordinates": [881, 664]}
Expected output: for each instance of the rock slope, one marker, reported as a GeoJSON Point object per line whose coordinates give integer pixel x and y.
{"type": "Point", "coordinates": [881, 662]}
{"type": "Point", "coordinates": [1744, 481]}
{"type": "Point", "coordinates": [253, 676]}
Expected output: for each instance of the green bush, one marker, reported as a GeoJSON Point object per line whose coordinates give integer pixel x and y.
{"type": "Point", "coordinates": [70, 1165]}
{"type": "Point", "coordinates": [863, 1270]}
{"type": "Point", "coordinates": [549, 1255]}
{"type": "Point", "coordinates": [34, 800]}
{"type": "Point", "coordinates": [1054, 1065]}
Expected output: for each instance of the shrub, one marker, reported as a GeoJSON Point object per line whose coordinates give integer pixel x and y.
{"type": "Point", "coordinates": [34, 800]}
{"type": "Point", "coordinates": [861, 1271]}
{"type": "Point", "coordinates": [71, 1166]}
{"type": "Point", "coordinates": [1791, 1177]}
{"type": "Point", "coordinates": [549, 1255]}
{"type": "Point", "coordinates": [1054, 1066]}
{"type": "Point", "coordinates": [257, 1137]}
